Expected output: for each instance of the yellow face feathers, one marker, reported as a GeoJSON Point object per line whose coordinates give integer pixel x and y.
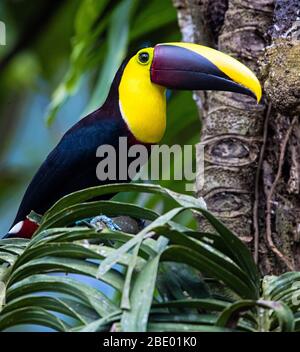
{"type": "Point", "coordinates": [142, 103]}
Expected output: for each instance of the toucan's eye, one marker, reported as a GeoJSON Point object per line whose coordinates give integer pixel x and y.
{"type": "Point", "coordinates": [143, 57]}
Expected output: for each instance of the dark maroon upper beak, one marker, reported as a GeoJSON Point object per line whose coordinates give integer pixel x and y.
{"type": "Point", "coordinates": [176, 67]}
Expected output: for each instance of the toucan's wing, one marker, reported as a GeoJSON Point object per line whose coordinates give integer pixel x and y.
{"type": "Point", "coordinates": [71, 166]}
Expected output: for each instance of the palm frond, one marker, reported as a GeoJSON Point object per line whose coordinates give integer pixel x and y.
{"type": "Point", "coordinates": [164, 278]}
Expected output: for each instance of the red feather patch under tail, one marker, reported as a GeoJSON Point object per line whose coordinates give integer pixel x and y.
{"type": "Point", "coordinates": [23, 229]}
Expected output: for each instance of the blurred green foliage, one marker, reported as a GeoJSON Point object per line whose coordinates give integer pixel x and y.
{"type": "Point", "coordinates": [57, 66]}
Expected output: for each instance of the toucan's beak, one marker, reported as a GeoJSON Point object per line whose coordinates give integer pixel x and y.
{"type": "Point", "coordinates": [196, 67]}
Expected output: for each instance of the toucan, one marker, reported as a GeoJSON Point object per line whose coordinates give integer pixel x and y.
{"type": "Point", "coordinates": [134, 108]}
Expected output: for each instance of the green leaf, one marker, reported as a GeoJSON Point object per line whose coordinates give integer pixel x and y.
{"type": "Point", "coordinates": [88, 27]}
{"type": "Point", "coordinates": [108, 263]}
{"type": "Point", "coordinates": [100, 324]}
{"type": "Point", "coordinates": [42, 283]}
{"type": "Point", "coordinates": [32, 316]}
{"type": "Point", "coordinates": [88, 13]}
{"type": "Point", "coordinates": [68, 265]}
{"type": "Point", "coordinates": [72, 308]}
{"type": "Point", "coordinates": [234, 245]}
{"type": "Point", "coordinates": [163, 250]}
{"type": "Point", "coordinates": [142, 294]}
{"type": "Point", "coordinates": [206, 303]}
{"type": "Point", "coordinates": [180, 281]}
{"type": "Point", "coordinates": [297, 324]}
{"type": "Point", "coordinates": [17, 250]}
{"type": "Point", "coordinates": [7, 258]}
{"type": "Point", "coordinates": [73, 250]}
{"type": "Point", "coordinates": [117, 33]}
{"type": "Point", "coordinates": [209, 252]}
{"type": "Point", "coordinates": [98, 191]}
{"type": "Point", "coordinates": [276, 287]}
{"type": "Point", "coordinates": [222, 272]}
{"type": "Point", "coordinates": [91, 209]}
{"type": "Point", "coordinates": [152, 17]}
{"type": "Point", "coordinates": [237, 248]}
{"type": "Point", "coordinates": [231, 314]}
{"type": "Point", "coordinates": [17, 242]}
{"type": "Point", "coordinates": [207, 319]}
{"type": "Point", "coordinates": [282, 312]}
{"type": "Point", "coordinates": [177, 327]}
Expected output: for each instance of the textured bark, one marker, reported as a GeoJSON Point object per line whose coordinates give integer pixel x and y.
{"type": "Point", "coordinates": [242, 140]}
{"type": "Point", "coordinates": [281, 165]}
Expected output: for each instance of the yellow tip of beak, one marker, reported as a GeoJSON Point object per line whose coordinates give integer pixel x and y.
{"type": "Point", "coordinates": [258, 91]}
{"type": "Point", "coordinates": [234, 69]}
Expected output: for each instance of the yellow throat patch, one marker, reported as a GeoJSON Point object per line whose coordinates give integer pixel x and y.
{"type": "Point", "coordinates": [142, 103]}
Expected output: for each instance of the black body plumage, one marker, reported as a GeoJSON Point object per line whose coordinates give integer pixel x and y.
{"type": "Point", "coordinates": [71, 166]}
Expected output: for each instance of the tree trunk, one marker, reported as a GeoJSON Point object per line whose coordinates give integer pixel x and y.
{"type": "Point", "coordinates": [252, 152]}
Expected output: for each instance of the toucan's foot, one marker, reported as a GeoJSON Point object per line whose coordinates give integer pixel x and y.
{"type": "Point", "coordinates": [99, 223]}
{"type": "Point", "coordinates": [101, 220]}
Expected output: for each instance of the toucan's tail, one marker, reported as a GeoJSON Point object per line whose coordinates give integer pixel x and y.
{"type": "Point", "coordinates": [22, 229]}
